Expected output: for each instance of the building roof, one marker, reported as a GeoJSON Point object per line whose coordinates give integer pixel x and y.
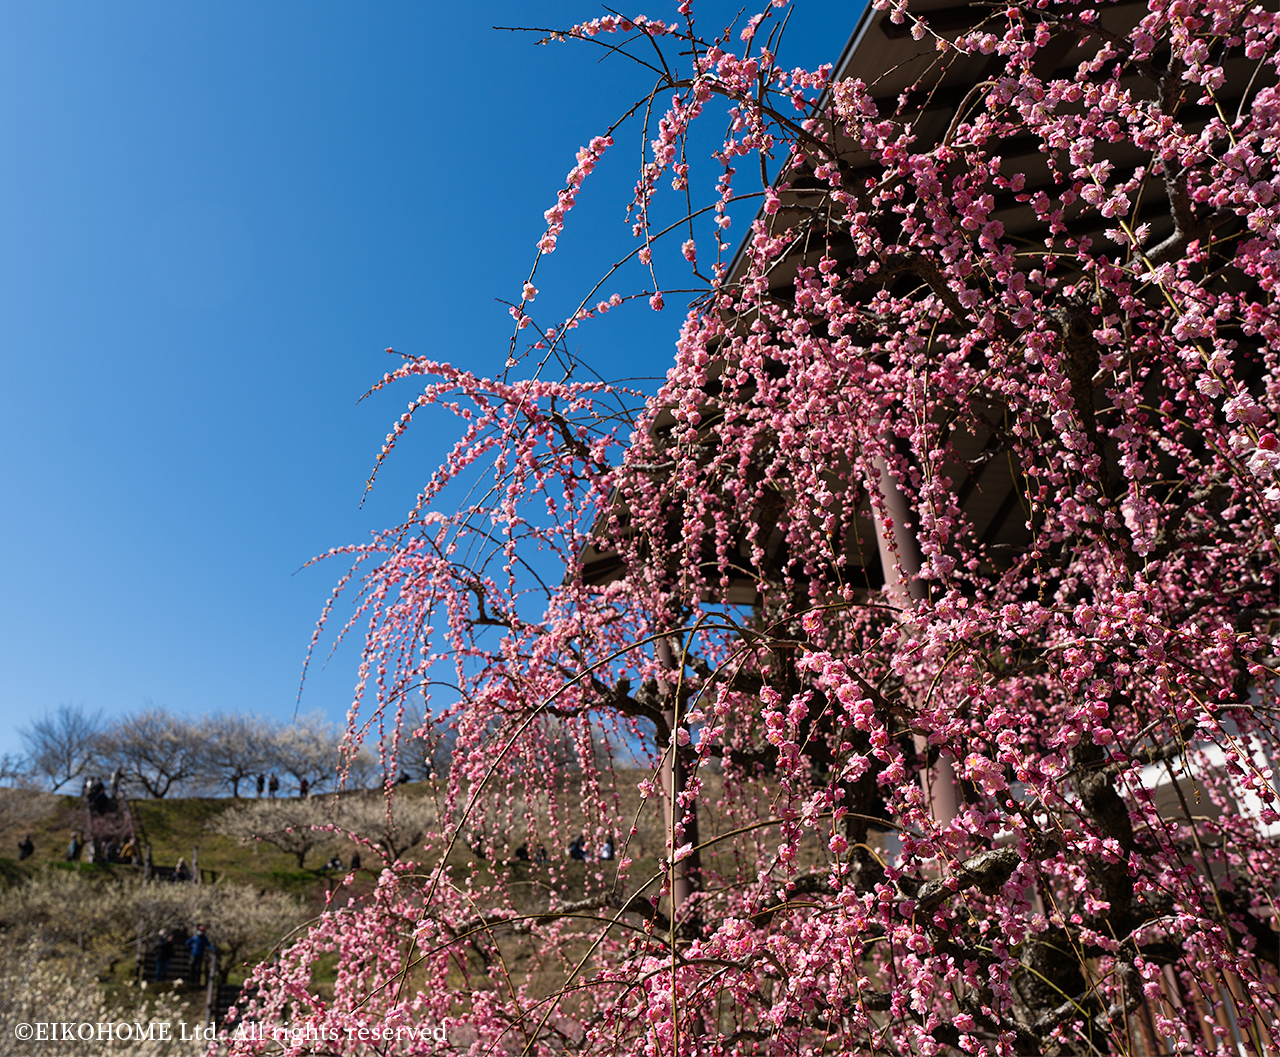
{"type": "Point", "coordinates": [931, 88]}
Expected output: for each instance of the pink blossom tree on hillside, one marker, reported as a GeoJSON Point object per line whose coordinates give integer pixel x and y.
{"type": "Point", "coordinates": [930, 778]}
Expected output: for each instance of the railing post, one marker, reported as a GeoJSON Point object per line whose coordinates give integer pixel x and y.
{"type": "Point", "coordinates": [211, 990]}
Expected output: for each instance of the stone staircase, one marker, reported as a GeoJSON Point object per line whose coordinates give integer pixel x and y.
{"type": "Point", "coordinates": [179, 966]}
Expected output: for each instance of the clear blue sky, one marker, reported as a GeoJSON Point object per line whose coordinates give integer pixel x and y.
{"type": "Point", "coordinates": [213, 219]}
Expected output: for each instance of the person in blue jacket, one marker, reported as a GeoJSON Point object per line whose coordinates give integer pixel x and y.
{"type": "Point", "coordinates": [198, 946]}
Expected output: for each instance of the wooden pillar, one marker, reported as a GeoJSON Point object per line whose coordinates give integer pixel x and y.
{"type": "Point", "coordinates": [901, 560]}
{"type": "Point", "coordinates": [686, 875]}
{"type": "Point", "coordinates": [195, 865]}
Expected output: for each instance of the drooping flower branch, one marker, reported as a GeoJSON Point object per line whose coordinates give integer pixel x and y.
{"type": "Point", "coordinates": [935, 591]}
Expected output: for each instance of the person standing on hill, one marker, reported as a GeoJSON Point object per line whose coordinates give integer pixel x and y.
{"type": "Point", "coordinates": [273, 786]}
{"type": "Point", "coordinates": [74, 848]}
{"type": "Point", "coordinates": [262, 781]}
{"type": "Point", "coordinates": [95, 795]}
{"type": "Point", "coordinates": [25, 848]}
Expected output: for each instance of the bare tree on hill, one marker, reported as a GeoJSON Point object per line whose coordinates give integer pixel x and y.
{"type": "Point", "coordinates": [159, 751]}
{"type": "Point", "coordinates": [61, 745]}
{"type": "Point", "coordinates": [234, 748]}
{"type": "Point", "coordinates": [307, 749]}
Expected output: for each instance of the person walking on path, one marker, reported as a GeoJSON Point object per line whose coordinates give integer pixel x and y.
{"type": "Point", "coordinates": [164, 955]}
{"type": "Point", "coordinates": [262, 781]}
{"type": "Point", "coordinates": [74, 848]}
{"type": "Point", "coordinates": [273, 786]}
{"type": "Point", "coordinates": [198, 946]}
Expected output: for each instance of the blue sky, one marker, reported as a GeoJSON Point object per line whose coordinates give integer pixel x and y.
{"type": "Point", "coordinates": [213, 219]}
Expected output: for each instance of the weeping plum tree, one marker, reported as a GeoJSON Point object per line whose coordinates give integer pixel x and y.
{"type": "Point", "coordinates": [775, 585]}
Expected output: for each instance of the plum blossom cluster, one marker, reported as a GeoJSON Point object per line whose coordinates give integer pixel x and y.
{"type": "Point", "coordinates": [933, 595]}
{"type": "Point", "coordinates": [566, 199]}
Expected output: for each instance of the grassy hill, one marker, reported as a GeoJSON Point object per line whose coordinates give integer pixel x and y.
{"type": "Point", "coordinates": [174, 828]}
{"type": "Point", "coordinates": [177, 827]}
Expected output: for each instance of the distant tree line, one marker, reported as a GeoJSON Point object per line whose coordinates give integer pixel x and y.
{"type": "Point", "coordinates": [159, 753]}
